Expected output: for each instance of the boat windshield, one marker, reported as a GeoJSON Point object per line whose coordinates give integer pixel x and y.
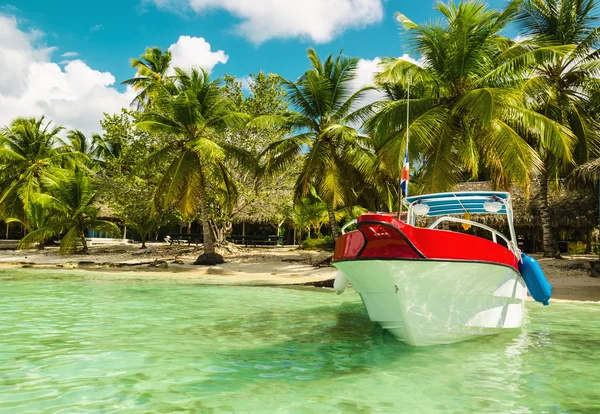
{"type": "Point", "coordinates": [467, 203]}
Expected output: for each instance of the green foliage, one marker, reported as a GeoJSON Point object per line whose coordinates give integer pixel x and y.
{"type": "Point", "coordinates": [261, 198]}
{"type": "Point", "coordinates": [37, 215]}
{"type": "Point", "coordinates": [578, 248]}
{"type": "Point", "coordinates": [125, 189]}
{"type": "Point", "coordinates": [152, 68]}
{"type": "Point", "coordinates": [563, 87]}
{"type": "Point", "coordinates": [482, 106]}
{"type": "Point", "coordinates": [30, 159]}
{"type": "Point", "coordinates": [72, 202]}
{"type": "Point", "coordinates": [335, 156]}
{"type": "Point", "coordinates": [130, 199]}
{"type": "Point", "coordinates": [193, 112]}
{"type": "Point", "coordinates": [467, 113]}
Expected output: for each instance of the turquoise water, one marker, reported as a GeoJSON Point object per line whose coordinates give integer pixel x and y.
{"type": "Point", "coordinates": [82, 342]}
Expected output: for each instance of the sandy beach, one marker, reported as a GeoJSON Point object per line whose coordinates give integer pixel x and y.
{"type": "Point", "coordinates": [244, 266]}
{"type": "Point", "coordinates": [570, 276]}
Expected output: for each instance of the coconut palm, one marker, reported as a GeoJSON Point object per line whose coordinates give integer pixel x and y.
{"type": "Point", "coordinates": [94, 151]}
{"type": "Point", "coordinates": [84, 150]}
{"type": "Point", "coordinates": [335, 155]}
{"type": "Point", "coordinates": [37, 215]}
{"type": "Point", "coordinates": [466, 112]}
{"type": "Point", "coordinates": [152, 68]}
{"type": "Point", "coordinates": [562, 87]}
{"type": "Point", "coordinates": [105, 149]}
{"type": "Point", "coordinates": [79, 143]}
{"type": "Point", "coordinates": [193, 112]}
{"type": "Point", "coordinates": [30, 157]}
{"type": "Point", "coordinates": [73, 200]}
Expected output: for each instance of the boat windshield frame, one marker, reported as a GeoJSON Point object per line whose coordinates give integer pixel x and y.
{"type": "Point", "coordinates": [472, 202]}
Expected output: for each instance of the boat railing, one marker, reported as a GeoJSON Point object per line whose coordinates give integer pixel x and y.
{"type": "Point", "coordinates": [495, 233]}
{"type": "Point", "coordinates": [350, 223]}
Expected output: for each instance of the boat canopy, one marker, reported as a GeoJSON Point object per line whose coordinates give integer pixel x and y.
{"type": "Point", "coordinates": [477, 202]}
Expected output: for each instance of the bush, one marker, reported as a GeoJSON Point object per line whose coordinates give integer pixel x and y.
{"type": "Point", "coordinates": [579, 248]}
{"type": "Point", "coordinates": [576, 247]}
{"type": "Point", "coordinates": [322, 243]}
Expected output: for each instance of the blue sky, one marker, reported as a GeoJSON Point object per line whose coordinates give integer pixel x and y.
{"type": "Point", "coordinates": [271, 35]}
{"type": "Point", "coordinates": [106, 34]}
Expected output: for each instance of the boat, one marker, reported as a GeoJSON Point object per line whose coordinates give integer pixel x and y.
{"type": "Point", "coordinates": [430, 285]}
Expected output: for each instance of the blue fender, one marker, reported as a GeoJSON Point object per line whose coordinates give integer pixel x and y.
{"type": "Point", "coordinates": [535, 280]}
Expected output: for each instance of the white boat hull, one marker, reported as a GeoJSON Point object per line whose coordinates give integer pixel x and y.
{"type": "Point", "coordinates": [428, 302]}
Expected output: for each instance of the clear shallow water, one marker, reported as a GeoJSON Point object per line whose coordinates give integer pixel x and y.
{"type": "Point", "coordinates": [73, 342]}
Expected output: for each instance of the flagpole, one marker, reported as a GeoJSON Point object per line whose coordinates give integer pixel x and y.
{"type": "Point", "coordinates": [406, 153]}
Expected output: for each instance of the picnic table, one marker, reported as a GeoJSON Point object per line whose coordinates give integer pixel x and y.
{"type": "Point", "coordinates": [180, 238]}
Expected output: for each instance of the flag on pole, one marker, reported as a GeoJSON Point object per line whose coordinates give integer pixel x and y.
{"type": "Point", "coordinates": [405, 177]}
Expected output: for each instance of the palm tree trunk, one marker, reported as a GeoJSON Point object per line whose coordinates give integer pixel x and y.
{"type": "Point", "coordinates": [588, 238]}
{"type": "Point", "coordinates": [550, 249]}
{"type": "Point", "coordinates": [209, 245]}
{"type": "Point", "coordinates": [209, 257]}
{"type": "Point", "coordinates": [335, 230]}
{"type": "Point", "coordinates": [83, 241]}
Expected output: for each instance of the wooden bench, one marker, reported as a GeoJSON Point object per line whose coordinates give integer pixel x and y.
{"type": "Point", "coordinates": [256, 240]}
{"type": "Point", "coordinates": [184, 238]}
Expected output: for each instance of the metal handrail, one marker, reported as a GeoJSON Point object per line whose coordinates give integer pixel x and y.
{"type": "Point", "coordinates": [348, 225]}
{"type": "Point", "coordinates": [473, 223]}
{"type": "Point", "coordinates": [495, 233]}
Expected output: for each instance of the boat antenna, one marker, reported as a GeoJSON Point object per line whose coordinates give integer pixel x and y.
{"type": "Point", "coordinates": [406, 154]}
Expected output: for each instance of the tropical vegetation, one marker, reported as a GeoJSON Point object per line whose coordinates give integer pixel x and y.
{"type": "Point", "coordinates": [509, 96]}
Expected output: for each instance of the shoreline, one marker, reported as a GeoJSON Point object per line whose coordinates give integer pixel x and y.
{"type": "Point", "coordinates": [264, 266]}
{"type": "Point", "coordinates": [244, 266]}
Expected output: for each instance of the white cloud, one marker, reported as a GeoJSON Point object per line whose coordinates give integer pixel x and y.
{"type": "Point", "coordinates": [420, 62]}
{"type": "Point", "coordinates": [96, 27]}
{"type": "Point", "coordinates": [69, 54]}
{"type": "Point", "coordinates": [32, 85]}
{"type": "Point", "coordinates": [16, 54]}
{"type": "Point", "coordinates": [245, 83]}
{"type": "Point", "coordinates": [521, 38]}
{"type": "Point", "coordinates": [365, 76]}
{"type": "Point", "coordinates": [318, 20]}
{"type": "Point", "coordinates": [191, 52]}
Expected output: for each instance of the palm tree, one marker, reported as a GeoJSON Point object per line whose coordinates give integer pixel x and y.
{"type": "Point", "coordinates": [335, 155]}
{"type": "Point", "coordinates": [307, 213]}
{"type": "Point", "coordinates": [29, 158]}
{"type": "Point", "coordinates": [95, 151]}
{"type": "Point", "coordinates": [78, 142]}
{"type": "Point", "coordinates": [73, 200]}
{"type": "Point", "coordinates": [562, 87]}
{"type": "Point", "coordinates": [152, 68]}
{"type": "Point", "coordinates": [466, 112]}
{"type": "Point", "coordinates": [37, 215]}
{"type": "Point", "coordinates": [104, 149]}
{"type": "Point", "coordinates": [193, 112]}
{"type": "Point", "coordinates": [85, 151]}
